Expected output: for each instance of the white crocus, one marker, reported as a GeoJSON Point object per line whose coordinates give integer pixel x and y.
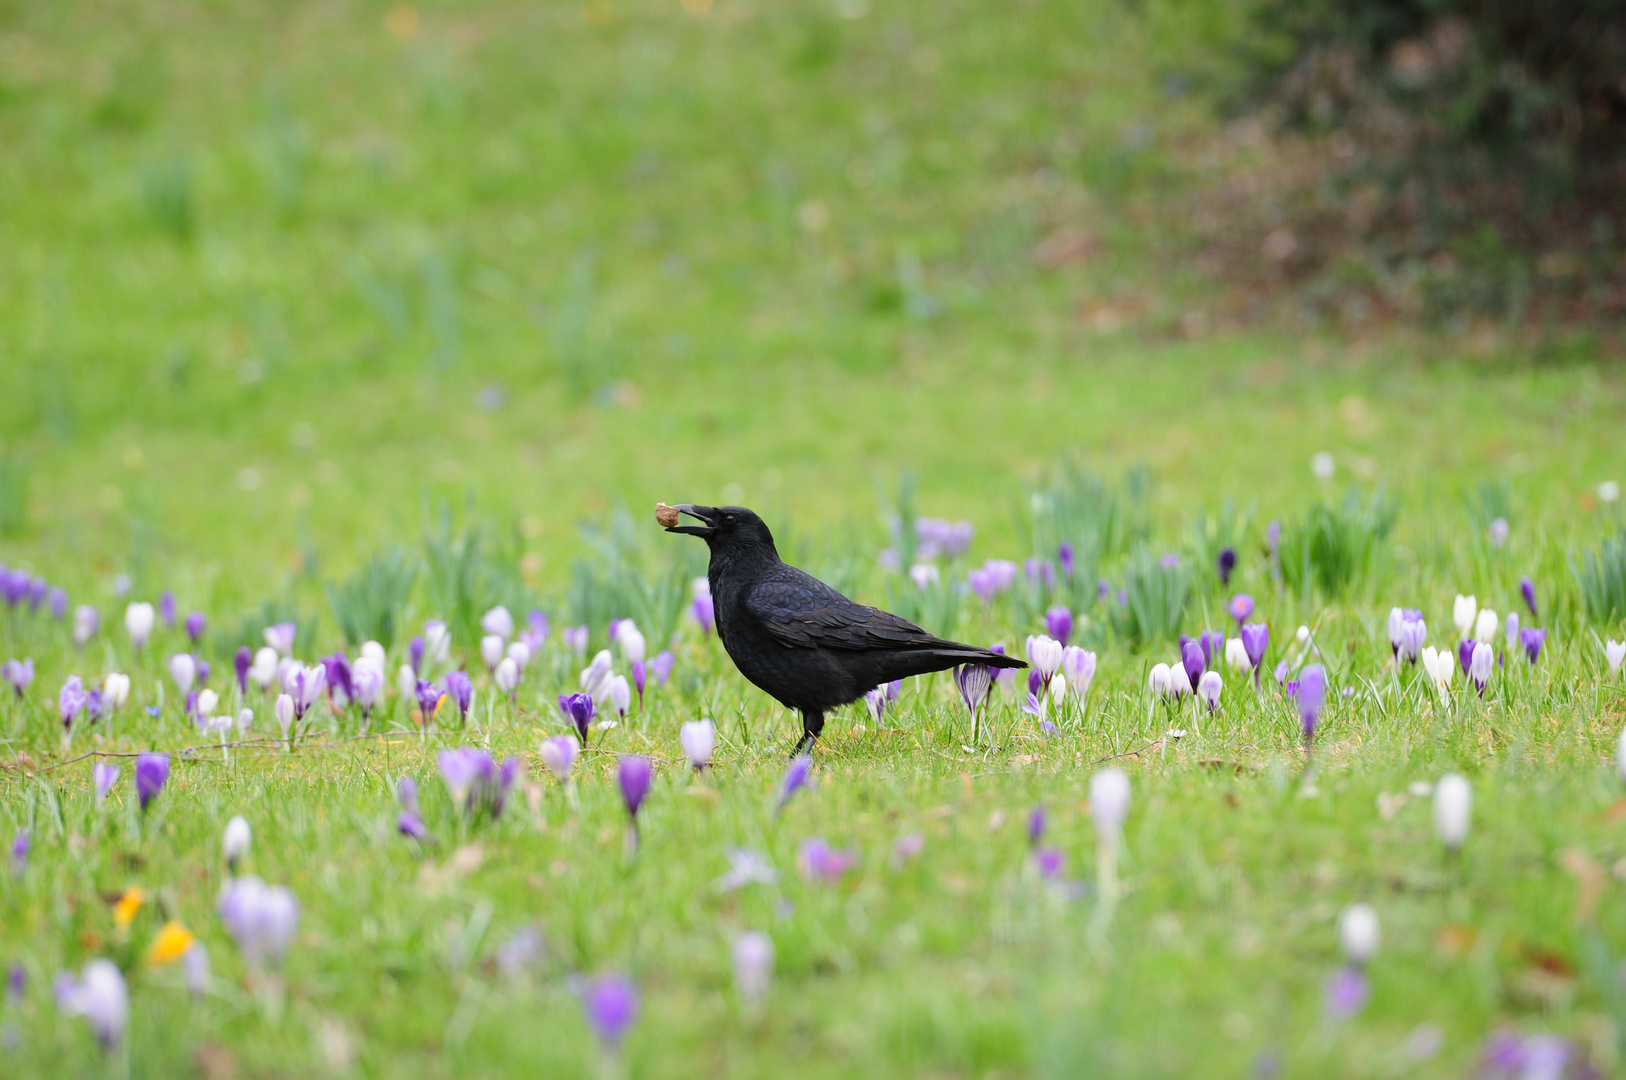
{"type": "Point", "coordinates": [437, 644]}
{"type": "Point", "coordinates": [1058, 688]}
{"type": "Point", "coordinates": [184, 670]}
{"type": "Point", "coordinates": [1045, 653]}
{"type": "Point", "coordinates": [499, 622]}
{"type": "Point", "coordinates": [631, 641]}
{"type": "Point", "coordinates": [1440, 667]}
{"type": "Point", "coordinates": [207, 700]}
{"type": "Point", "coordinates": [753, 966]}
{"type": "Point", "coordinates": [698, 739]}
{"type": "Point", "coordinates": [406, 681]}
{"type": "Point", "coordinates": [1209, 688]}
{"type": "Point", "coordinates": [284, 712]}
{"type": "Point", "coordinates": [507, 675]}
{"type": "Point", "coordinates": [519, 653]}
{"type": "Point", "coordinates": [116, 690]}
{"type": "Point", "coordinates": [621, 694]}
{"type": "Point", "coordinates": [372, 653]}
{"type": "Point", "coordinates": [1179, 682]}
{"type": "Point", "coordinates": [1485, 625]}
{"type": "Point", "coordinates": [1236, 655]}
{"type": "Point", "coordinates": [1463, 611]}
{"type": "Point", "coordinates": [264, 669]}
{"type": "Point", "coordinates": [1620, 755]}
{"type": "Point", "coordinates": [1159, 682]}
{"type": "Point", "coordinates": [491, 651]}
{"type": "Point", "coordinates": [1512, 631]}
{"type": "Point", "coordinates": [138, 620]}
{"type": "Point", "coordinates": [1453, 806]}
{"type": "Point", "coordinates": [1615, 653]}
{"type": "Point", "coordinates": [1358, 933]}
{"type": "Point", "coordinates": [595, 678]}
{"type": "Point", "coordinates": [235, 840]}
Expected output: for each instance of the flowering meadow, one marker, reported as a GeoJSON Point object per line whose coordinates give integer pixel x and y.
{"type": "Point", "coordinates": [356, 718]}
{"type": "Point", "coordinates": [1239, 816]}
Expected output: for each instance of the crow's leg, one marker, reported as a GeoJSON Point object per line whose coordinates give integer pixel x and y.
{"type": "Point", "coordinates": [812, 726]}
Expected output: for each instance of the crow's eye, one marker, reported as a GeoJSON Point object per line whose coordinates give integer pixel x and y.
{"type": "Point", "coordinates": [730, 518]}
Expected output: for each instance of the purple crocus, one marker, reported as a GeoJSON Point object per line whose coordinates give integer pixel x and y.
{"type": "Point", "coordinates": [1036, 825]}
{"type": "Point", "coordinates": [166, 608]}
{"type": "Point", "coordinates": [1533, 638]}
{"type": "Point", "coordinates": [640, 677]}
{"type": "Point", "coordinates": [610, 1003]}
{"type": "Point", "coordinates": [1311, 695]}
{"type": "Point", "coordinates": [704, 610]}
{"type": "Point", "coordinates": [103, 776]}
{"type": "Point", "coordinates": [411, 826]}
{"type": "Point", "coordinates": [1212, 643]}
{"type": "Point", "coordinates": [241, 664]}
{"type": "Point", "coordinates": [195, 623]}
{"type": "Point", "coordinates": [57, 598]}
{"type": "Point", "coordinates": [535, 634]}
{"type": "Point", "coordinates": [429, 699]}
{"type": "Point", "coordinates": [634, 774]}
{"type": "Point", "coordinates": [415, 650]}
{"type": "Point", "coordinates": [20, 845]}
{"type": "Point", "coordinates": [151, 772]}
{"type": "Point", "coordinates": [19, 673]}
{"type": "Point", "coordinates": [579, 710]}
{"type": "Point", "coordinates": [1058, 622]}
{"type": "Point", "coordinates": [1191, 658]}
{"type": "Point", "coordinates": [1225, 564]}
{"type": "Point", "coordinates": [341, 680]}
{"type": "Point", "coordinates": [1465, 654]}
{"type": "Point", "coordinates": [819, 861]}
{"type": "Point", "coordinates": [575, 639]}
{"type": "Point", "coordinates": [476, 783]}
{"type": "Point", "coordinates": [262, 919]}
{"type": "Point", "coordinates": [1240, 608]}
{"type": "Point", "coordinates": [1065, 556]}
{"type": "Point", "coordinates": [1527, 589]}
{"type": "Point", "coordinates": [983, 582]}
{"type": "Point", "coordinates": [1413, 635]}
{"type": "Point", "coordinates": [797, 776]}
{"type": "Point", "coordinates": [1040, 572]}
{"type": "Point", "coordinates": [974, 681]}
{"type": "Point", "coordinates": [71, 702]}
{"type": "Point", "coordinates": [460, 689]}
{"type": "Point", "coordinates": [661, 666]}
{"type": "Point", "coordinates": [1347, 992]}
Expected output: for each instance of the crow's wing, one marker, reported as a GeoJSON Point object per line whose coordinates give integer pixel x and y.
{"type": "Point", "coordinates": [802, 612]}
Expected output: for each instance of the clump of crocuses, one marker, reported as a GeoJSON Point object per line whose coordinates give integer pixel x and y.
{"type": "Point", "coordinates": [261, 918]}
{"type": "Point", "coordinates": [479, 787]}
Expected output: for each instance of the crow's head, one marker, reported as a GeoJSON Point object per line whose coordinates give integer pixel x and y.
{"type": "Point", "coordinates": [724, 526]}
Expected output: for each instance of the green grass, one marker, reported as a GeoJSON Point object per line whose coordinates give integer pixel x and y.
{"type": "Point", "coordinates": [288, 301]}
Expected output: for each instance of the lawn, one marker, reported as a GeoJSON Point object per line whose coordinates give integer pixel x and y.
{"type": "Point", "coordinates": [298, 299]}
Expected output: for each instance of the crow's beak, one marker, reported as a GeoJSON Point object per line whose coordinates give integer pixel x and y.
{"type": "Point", "coordinates": [706, 514]}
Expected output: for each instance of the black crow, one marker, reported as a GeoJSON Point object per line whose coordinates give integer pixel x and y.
{"type": "Point", "coordinates": [795, 637]}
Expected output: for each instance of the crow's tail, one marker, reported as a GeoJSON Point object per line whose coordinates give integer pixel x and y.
{"type": "Point", "coordinates": [950, 654]}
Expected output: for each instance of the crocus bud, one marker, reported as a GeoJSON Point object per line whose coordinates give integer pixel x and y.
{"type": "Point", "coordinates": [207, 700]}
{"type": "Point", "coordinates": [86, 621]}
{"type": "Point", "coordinates": [19, 673]}
{"type": "Point", "coordinates": [1209, 688]}
{"type": "Point", "coordinates": [491, 651]}
{"type": "Point", "coordinates": [559, 754]}
{"type": "Point", "coordinates": [1512, 630]}
{"type": "Point", "coordinates": [99, 995]}
{"type": "Point", "coordinates": [369, 686]}
{"type": "Point", "coordinates": [631, 640]}
{"type": "Point", "coordinates": [138, 621]}
{"type": "Point", "coordinates": [1044, 652]}
{"type": "Point", "coordinates": [1058, 688]}
{"type": "Point", "coordinates": [1179, 682]}
{"type": "Point", "coordinates": [611, 1006]}
{"type": "Point", "coordinates": [261, 919]}
{"type": "Point", "coordinates": [595, 678]}
{"type": "Point", "coordinates": [1236, 655]}
{"type": "Point", "coordinates": [520, 654]}
{"type": "Point", "coordinates": [634, 774]}
{"type": "Point", "coordinates": [1620, 755]}
{"type": "Point", "coordinates": [620, 694]}
{"type": "Point", "coordinates": [373, 653]}
{"type": "Point", "coordinates": [1485, 625]}
{"type": "Point", "coordinates": [264, 669]}
{"type": "Point", "coordinates": [698, 738]}
{"type": "Point", "coordinates": [1079, 667]}
{"type": "Point", "coordinates": [1532, 638]}
{"type": "Point", "coordinates": [281, 637]}
{"type": "Point", "coordinates": [1527, 589]}
{"type": "Point", "coordinates": [1159, 682]}
{"type": "Point", "coordinates": [1463, 611]}
{"type": "Point", "coordinates": [437, 640]}
{"type": "Point", "coordinates": [195, 962]}
{"type": "Point", "coordinates": [1358, 933]}
{"type": "Point", "coordinates": [235, 840]}
{"type": "Point", "coordinates": [461, 690]}
{"type": "Point", "coordinates": [406, 681]}
{"type": "Point", "coordinates": [104, 775]}
{"type": "Point", "coordinates": [1480, 665]}
{"type": "Point", "coordinates": [151, 773]}
{"type": "Point", "coordinates": [498, 622]}
{"type": "Point", "coordinates": [1453, 805]}
{"type": "Point", "coordinates": [1058, 623]}
{"type": "Point", "coordinates": [195, 623]}
{"type": "Point", "coordinates": [1302, 635]}
{"type": "Point", "coordinates": [1240, 608]}
{"type": "Point", "coordinates": [753, 965]}
{"type": "Point", "coordinates": [284, 712]}
{"type": "Point", "coordinates": [1109, 802]}
{"type": "Point", "coordinates": [1192, 662]}
{"type": "Point", "coordinates": [507, 676]}
{"type": "Point", "coordinates": [115, 690]}
{"type": "Point", "coordinates": [579, 709]}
